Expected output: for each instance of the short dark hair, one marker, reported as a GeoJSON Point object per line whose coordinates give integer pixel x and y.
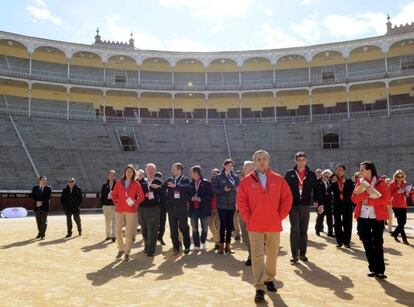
{"type": "Point", "coordinates": [41, 177]}
{"type": "Point", "coordinates": [369, 165]}
{"type": "Point", "coordinates": [228, 161]}
{"type": "Point", "coordinates": [196, 169]}
{"type": "Point", "coordinates": [179, 166]}
{"type": "Point", "coordinates": [341, 165]}
{"type": "Point", "coordinates": [300, 154]}
{"type": "Point", "coordinates": [158, 175]}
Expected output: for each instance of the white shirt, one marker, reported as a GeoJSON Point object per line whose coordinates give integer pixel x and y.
{"type": "Point", "coordinates": [263, 179]}
{"type": "Point", "coordinates": [368, 212]}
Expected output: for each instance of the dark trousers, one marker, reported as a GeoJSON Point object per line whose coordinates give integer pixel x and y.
{"type": "Point", "coordinates": [178, 219]}
{"type": "Point", "coordinates": [329, 218]}
{"type": "Point", "coordinates": [401, 215]}
{"type": "Point", "coordinates": [163, 220]}
{"type": "Point", "coordinates": [149, 218]}
{"type": "Point", "coordinates": [299, 222]}
{"type": "Point", "coordinates": [370, 232]}
{"type": "Point", "coordinates": [76, 217]}
{"type": "Point", "coordinates": [41, 221]}
{"type": "Point", "coordinates": [343, 224]}
{"type": "Point", "coordinates": [195, 217]}
{"type": "Point", "coordinates": [226, 224]}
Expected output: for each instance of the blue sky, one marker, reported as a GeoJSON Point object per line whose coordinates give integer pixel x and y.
{"type": "Point", "coordinates": [204, 25]}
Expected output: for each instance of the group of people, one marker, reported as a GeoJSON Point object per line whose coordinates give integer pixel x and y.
{"type": "Point", "coordinates": [255, 200]}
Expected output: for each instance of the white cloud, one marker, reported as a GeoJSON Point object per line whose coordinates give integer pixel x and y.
{"type": "Point", "coordinates": [406, 15]}
{"type": "Point", "coordinates": [212, 8]}
{"type": "Point", "coordinates": [217, 28]}
{"type": "Point", "coordinates": [351, 26]}
{"type": "Point", "coordinates": [115, 32]}
{"type": "Point", "coordinates": [40, 11]}
{"type": "Point", "coordinates": [308, 29]}
{"type": "Point", "coordinates": [277, 38]}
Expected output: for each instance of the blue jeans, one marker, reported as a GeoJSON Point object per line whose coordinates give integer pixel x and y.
{"type": "Point", "coordinates": [195, 217]}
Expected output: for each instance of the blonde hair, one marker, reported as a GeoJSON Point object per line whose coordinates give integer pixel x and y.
{"type": "Point", "coordinates": [398, 172]}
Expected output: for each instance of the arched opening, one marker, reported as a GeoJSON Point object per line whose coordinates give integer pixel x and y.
{"type": "Point", "coordinates": [330, 141]}
{"type": "Point", "coordinates": [127, 143]}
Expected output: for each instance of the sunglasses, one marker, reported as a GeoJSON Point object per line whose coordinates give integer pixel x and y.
{"type": "Point", "coordinates": [71, 181]}
{"type": "Point", "coordinates": [399, 177]}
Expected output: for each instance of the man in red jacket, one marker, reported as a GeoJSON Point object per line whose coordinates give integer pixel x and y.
{"type": "Point", "coordinates": [264, 199]}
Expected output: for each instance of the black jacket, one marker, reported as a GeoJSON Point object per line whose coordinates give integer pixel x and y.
{"type": "Point", "coordinates": [225, 200]}
{"type": "Point", "coordinates": [71, 201]}
{"type": "Point", "coordinates": [43, 196]}
{"type": "Point", "coordinates": [325, 194]}
{"type": "Point", "coordinates": [183, 187]}
{"type": "Point", "coordinates": [336, 199]}
{"type": "Point", "coordinates": [311, 190]}
{"type": "Point", "coordinates": [205, 193]}
{"type": "Point", "coordinates": [157, 193]}
{"type": "Point", "coordinates": [104, 194]}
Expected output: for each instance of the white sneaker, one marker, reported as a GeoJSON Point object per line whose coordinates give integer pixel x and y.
{"type": "Point", "coordinates": [203, 246]}
{"type": "Point", "coordinates": [192, 247]}
{"type": "Point", "coordinates": [196, 248]}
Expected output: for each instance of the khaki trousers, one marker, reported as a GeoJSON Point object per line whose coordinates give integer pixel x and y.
{"type": "Point", "coordinates": [109, 213]}
{"type": "Point", "coordinates": [214, 225]}
{"type": "Point", "coordinates": [390, 213]}
{"type": "Point", "coordinates": [261, 244]}
{"type": "Point", "coordinates": [236, 224]}
{"type": "Point", "coordinates": [130, 223]}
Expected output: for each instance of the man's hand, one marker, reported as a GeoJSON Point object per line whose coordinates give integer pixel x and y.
{"type": "Point", "coordinates": [155, 186]}
{"type": "Point", "coordinates": [171, 185]}
{"type": "Point", "coordinates": [320, 209]}
{"type": "Point", "coordinates": [227, 189]}
{"type": "Point", "coordinates": [315, 204]}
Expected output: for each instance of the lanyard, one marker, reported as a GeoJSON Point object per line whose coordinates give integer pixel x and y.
{"type": "Point", "coordinates": [300, 180]}
{"type": "Point", "coordinates": [177, 182]}
{"type": "Point", "coordinates": [197, 186]}
{"type": "Point", "coordinates": [149, 183]}
{"type": "Point", "coordinates": [341, 184]}
{"type": "Point", "coordinates": [231, 179]}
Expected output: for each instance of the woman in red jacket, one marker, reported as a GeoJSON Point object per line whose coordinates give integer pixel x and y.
{"type": "Point", "coordinates": [127, 195]}
{"type": "Point", "coordinates": [399, 204]}
{"type": "Point", "coordinates": [371, 212]}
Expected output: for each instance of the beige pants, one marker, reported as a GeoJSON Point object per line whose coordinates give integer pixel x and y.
{"type": "Point", "coordinates": [389, 208]}
{"type": "Point", "coordinates": [261, 244]}
{"type": "Point", "coordinates": [130, 223]}
{"type": "Point", "coordinates": [109, 213]}
{"type": "Point", "coordinates": [214, 225]}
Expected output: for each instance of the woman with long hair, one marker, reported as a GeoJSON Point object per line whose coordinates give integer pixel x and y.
{"type": "Point", "coordinates": [371, 196]}
{"type": "Point", "coordinates": [127, 195]}
{"type": "Point", "coordinates": [399, 204]}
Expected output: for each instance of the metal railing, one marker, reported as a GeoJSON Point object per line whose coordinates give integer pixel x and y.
{"type": "Point", "coordinates": [134, 83]}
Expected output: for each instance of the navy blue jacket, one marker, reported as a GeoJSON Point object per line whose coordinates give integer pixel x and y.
{"type": "Point", "coordinates": [205, 193]}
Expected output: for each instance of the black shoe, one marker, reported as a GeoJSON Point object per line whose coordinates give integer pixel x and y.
{"type": "Point", "coordinates": [406, 242]}
{"type": "Point", "coordinates": [161, 242]}
{"type": "Point", "coordinates": [42, 238]}
{"type": "Point", "coordinates": [68, 235]}
{"type": "Point", "coordinates": [294, 260]}
{"type": "Point", "coordinates": [339, 245]}
{"type": "Point", "coordinates": [237, 238]}
{"type": "Point", "coordinates": [138, 229]}
{"type": "Point", "coordinates": [331, 235]}
{"type": "Point", "coordinates": [145, 250]}
{"type": "Point", "coordinates": [248, 262]}
{"type": "Point", "coordinates": [270, 286]}
{"type": "Point", "coordinates": [303, 258]}
{"type": "Point", "coordinates": [259, 297]}
{"type": "Point", "coordinates": [347, 245]}
{"type": "Point", "coordinates": [113, 239]}
{"type": "Point", "coordinates": [150, 254]}
{"type": "Point", "coordinates": [38, 236]}
{"type": "Point", "coordinates": [119, 255]}
{"type": "Point", "coordinates": [126, 258]}
{"type": "Point", "coordinates": [186, 251]}
{"type": "Point", "coordinates": [380, 276]}
{"type": "Point", "coordinates": [107, 238]}
{"type": "Point", "coordinates": [80, 232]}
{"type": "Point", "coordinates": [318, 233]}
{"type": "Point", "coordinates": [371, 274]}
{"type": "Point", "coordinates": [216, 246]}
{"type": "Point", "coordinates": [396, 239]}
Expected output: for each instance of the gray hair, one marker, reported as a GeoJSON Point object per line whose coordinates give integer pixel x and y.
{"type": "Point", "coordinates": [261, 152]}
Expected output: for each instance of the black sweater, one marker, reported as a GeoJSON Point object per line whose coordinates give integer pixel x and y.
{"type": "Point", "coordinates": [311, 191]}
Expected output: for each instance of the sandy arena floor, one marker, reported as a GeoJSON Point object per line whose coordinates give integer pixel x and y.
{"type": "Point", "coordinates": [82, 271]}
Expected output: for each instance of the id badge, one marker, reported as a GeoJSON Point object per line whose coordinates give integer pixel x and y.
{"type": "Point", "coordinates": [130, 201]}
{"type": "Point", "coordinates": [300, 192]}
{"type": "Point", "coordinates": [150, 195]}
{"type": "Point", "coordinates": [177, 195]}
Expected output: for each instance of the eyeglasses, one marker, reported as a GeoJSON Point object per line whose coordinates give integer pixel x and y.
{"type": "Point", "coordinates": [71, 181]}
{"type": "Point", "coordinates": [399, 177]}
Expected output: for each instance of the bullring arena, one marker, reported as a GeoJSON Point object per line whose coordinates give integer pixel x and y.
{"type": "Point", "coordinates": [71, 110]}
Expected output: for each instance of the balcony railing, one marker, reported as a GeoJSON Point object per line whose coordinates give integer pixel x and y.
{"type": "Point", "coordinates": [23, 110]}
{"type": "Point", "coordinates": [197, 85]}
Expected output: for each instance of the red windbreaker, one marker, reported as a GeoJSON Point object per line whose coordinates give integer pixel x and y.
{"type": "Point", "coordinates": [120, 195]}
{"type": "Point", "coordinates": [398, 200]}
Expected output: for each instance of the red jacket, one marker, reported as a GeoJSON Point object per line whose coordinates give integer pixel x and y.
{"type": "Point", "coordinates": [264, 209]}
{"type": "Point", "coordinates": [119, 196]}
{"type": "Point", "coordinates": [398, 200]}
{"type": "Point", "coordinates": [380, 204]}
